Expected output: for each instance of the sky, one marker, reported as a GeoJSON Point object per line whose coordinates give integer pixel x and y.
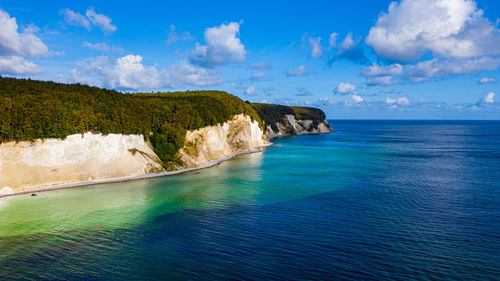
{"type": "Point", "coordinates": [406, 59]}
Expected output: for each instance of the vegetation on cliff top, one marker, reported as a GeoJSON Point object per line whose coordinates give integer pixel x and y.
{"type": "Point", "coordinates": [32, 110]}
{"type": "Point", "coordinates": [274, 113]}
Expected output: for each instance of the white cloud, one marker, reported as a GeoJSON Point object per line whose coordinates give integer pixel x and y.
{"type": "Point", "coordinates": [486, 80]}
{"type": "Point", "coordinates": [250, 90]}
{"type": "Point", "coordinates": [74, 18]}
{"type": "Point", "coordinates": [381, 81]}
{"type": "Point", "coordinates": [194, 75]}
{"type": "Point", "coordinates": [100, 20]}
{"type": "Point", "coordinates": [347, 43]}
{"type": "Point", "coordinates": [222, 46]}
{"type": "Point", "coordinates": [91, 19]}
{"type": "Point", "coordinates": [15, 43]}
{"type": "Point", "coordinates": [378, 70]}
{"type": "Point", "coordinates": [453, 36]}
{"type": "Point", "coordinates": [345, 88]}
{"type": "Point", "coordinates": [16, 46]}
{"type": "Point", "coordinates": [261, 65]}
{"type": "Point", "coordinates": [102, 47]}
{"type": "Point", "coordinates": [332, 42]}
{"type": "Point", "coordinates": [15, 65]}
{"type": "Point", "coordinates": [325, 101]}
{"type": "Point", "coordinates": [403, 101]}
{"type": "Point", "coordinates": [388, 100]}
{"type": "Point", "coordinates": [259, 76]}
{"type": "Point", "coordinates": [298, 71]}
{"type": "Point", "coordinates": [488, 101]}
{"type": "Point", "coordinates": [97, 46]}
{"type": "Point", "coordinates": [126, 72]}
{"type": "Point", "coordinates": [130, 73]}
{"type": "Point", "coordinates": [174, 36]}
{"type": "Point", "coordinates": [436, 68]}
{"type": "Point", "coordinates": [315, 44]}
{"type": "Point", "coordinates": [382, 75]}
{"type": "Point", "coordinates": [357, 99]}
{"type": "Point", "coordinates": [489, 98]}
{"type": "Point", "coordinates": [447, 28]}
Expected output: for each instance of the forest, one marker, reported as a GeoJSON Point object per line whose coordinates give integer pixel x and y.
{"type": "Point", "coordinates": [274, 113]}
{"type": "Point", "coordinates": [31, 110]}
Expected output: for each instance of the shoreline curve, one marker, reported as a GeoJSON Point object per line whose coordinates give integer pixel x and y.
{"type": "Point", "coordinates": [149, 176]}
{"type": "Point", "coordinates": [134, 178]}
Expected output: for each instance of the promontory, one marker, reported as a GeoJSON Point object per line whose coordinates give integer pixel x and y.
{"type": "Point", "coordinates": [54, 134]}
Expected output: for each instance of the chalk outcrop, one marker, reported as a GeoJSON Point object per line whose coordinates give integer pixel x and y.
{"type": "Point", "coordinates": [95, 157]}
{"type": "Point", "coordinates": [92, 157]}
{"type": "Point", "coordinates": [206, 144]}
{"type": "Point", "coordinates": [290, 126]}
{"type": "Point", "coordinates": [30, 165]}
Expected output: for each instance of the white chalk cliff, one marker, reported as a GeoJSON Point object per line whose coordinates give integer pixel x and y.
{"type": "Point", "coordinates": [90, 157]}
{"type": "Point", "coordinates": [206, 144]}
{"type": "Point", "coordinates": [43, 163]}
{"type": "Point", "coordinates": [291, 126]}
{"type": "Point", "coordinates": [30, 165]}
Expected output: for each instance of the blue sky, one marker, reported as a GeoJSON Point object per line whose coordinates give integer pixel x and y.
{"type": "Point", "coordinates": [409, 59]}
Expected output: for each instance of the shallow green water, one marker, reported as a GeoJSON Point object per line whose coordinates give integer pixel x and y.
{"type": "Point", "coordinates": [394, 200]}
{"type": "Point", "coordinates": [239, 181]}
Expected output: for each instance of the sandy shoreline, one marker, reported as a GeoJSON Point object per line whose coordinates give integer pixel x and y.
{"type": "Point", "coordinates": [146, 176]}
{"type": "Point", "coordinates": [134, 178]}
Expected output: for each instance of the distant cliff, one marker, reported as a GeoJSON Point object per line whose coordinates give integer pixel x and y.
{"type": "Point", "coordinates": [280, 120]}
{"type": "Point", "coordinates": [54, 134]}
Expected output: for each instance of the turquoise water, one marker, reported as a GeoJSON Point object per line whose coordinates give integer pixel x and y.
{"type": "Point", "coordinates": [374, 200]}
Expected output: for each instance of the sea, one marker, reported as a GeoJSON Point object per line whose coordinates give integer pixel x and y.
{"type": "Point", "coordinates": [375, 200]}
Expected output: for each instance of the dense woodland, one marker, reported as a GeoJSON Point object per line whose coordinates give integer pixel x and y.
{"type": "Point", "coordinates": [31, 110]}
{"type": "Point", "coordinates": [274, 113]}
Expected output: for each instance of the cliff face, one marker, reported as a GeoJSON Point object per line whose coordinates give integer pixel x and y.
{"type": "Point", "coordinates": [281, 120]}
{"type": "Point", "coordinates": [29, 165]}
{"type": "Point", "coordinates": [144, 133]}
{"type": "Point", "coordinates": [290, 126]}
{"type": "Point", "coordinates": [78, 158]}
{"type": "Point", "coordinates": [206, 144]}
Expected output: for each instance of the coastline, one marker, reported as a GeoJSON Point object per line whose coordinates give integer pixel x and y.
{"type": "Point", "coordinates": [155, 175]}
{"type": "Point", "coordinates": [134, 178]}
{"type": "Point", "coordinates": [292, 135]}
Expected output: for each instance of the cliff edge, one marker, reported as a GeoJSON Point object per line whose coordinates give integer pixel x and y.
{"type": "Point", "coordinates": [61, 135]}
{"type": "Point", "coordinates": [29, 165]}
{"type": "Point", "coordinates": [281, 120]}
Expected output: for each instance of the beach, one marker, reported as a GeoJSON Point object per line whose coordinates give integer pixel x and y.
{"type": "Point", "coordinates": [134, 178]}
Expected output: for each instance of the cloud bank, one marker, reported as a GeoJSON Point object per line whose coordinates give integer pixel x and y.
{"type": "Point", "coordinates": [222, 47]}
{"type": "Point", "coordinates": [129, 73]}
{"type": "Point", "coordinates": [17, 45]}
{"type": "Point", "coordinates": [459, 39]}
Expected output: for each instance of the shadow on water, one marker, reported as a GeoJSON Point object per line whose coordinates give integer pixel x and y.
{"type": "Point", "coordinates": [403, 202]}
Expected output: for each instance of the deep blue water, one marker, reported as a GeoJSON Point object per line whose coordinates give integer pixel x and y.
{"type": "Point", "coordinates": [398, 200]}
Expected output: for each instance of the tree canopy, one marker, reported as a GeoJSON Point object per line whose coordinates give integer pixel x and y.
{"type": "Point", "coordinates": [274, 113]}
{"type": "Point", "coordinates": [32, 110]}
{"type": "Point", "coordinates": [38, 110]}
